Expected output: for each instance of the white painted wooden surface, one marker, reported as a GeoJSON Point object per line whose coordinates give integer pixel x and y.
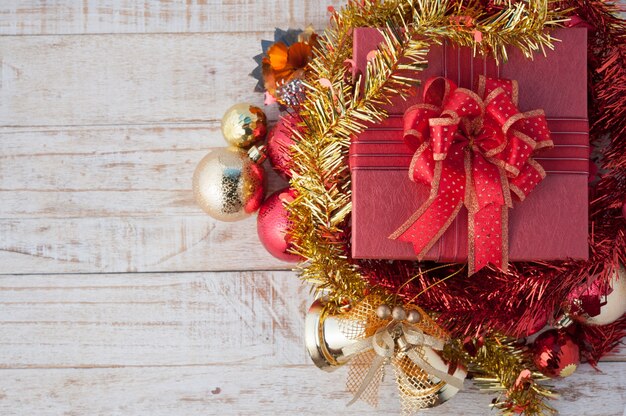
{"type": "Point", "coordinates": [118, 296]}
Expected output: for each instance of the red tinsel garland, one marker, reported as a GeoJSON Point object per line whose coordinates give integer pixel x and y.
{"type": "Point", "coordinates": [531, 294]}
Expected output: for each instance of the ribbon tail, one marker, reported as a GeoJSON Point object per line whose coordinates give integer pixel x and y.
{"type": "Point", "coordinates": [441, 375]}
{"type": "Point", "coordinates": [370, 381]}
{"type": "Point", "coordinates": [426, 226]}
{"type": "Point", "coordinates": [488, 238]}
{"type": "Point", "coordinates": [488, 200]}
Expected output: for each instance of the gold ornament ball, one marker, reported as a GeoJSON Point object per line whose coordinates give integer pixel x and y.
{"type": "Point", "coordinates": [244, 124]}
{"type": "Point", "coordinates": [228, 185]}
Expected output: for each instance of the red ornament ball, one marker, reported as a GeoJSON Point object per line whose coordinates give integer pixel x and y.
{"type": "Point", "coordinates": [273, 224]}
{"type": "Point", "coordinates": [624, 208]}
{"type": "Point", "coordinates": [556, 354]}
{"type": "Point", "coordinates": [278, 143]}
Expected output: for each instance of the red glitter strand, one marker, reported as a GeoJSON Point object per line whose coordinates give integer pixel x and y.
{"type": "Point", "coordinates": [596, 341]}
{"type": "Point", "coordinates": [530, 294]}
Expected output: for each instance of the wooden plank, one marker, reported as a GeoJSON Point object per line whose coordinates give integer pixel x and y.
{"type": "Point", "coordinates": [115, 199]}
{"type": "Point", "coordinates": [46, 17]}
{"type": "Point", "coordinates": [179, 319]}
{"type": "Point", "coordinates": [101, 172]}
{"type": "Point", "coordinates": [125, 79]}
{"type": "Point", "coordinates": [249, 389]}
{"type": "Point", "coordinates": [118, 244]}
{"type": "Point", "coordinates": [151, 319]}
{"type": "Point", "coordinates": [192, 343]}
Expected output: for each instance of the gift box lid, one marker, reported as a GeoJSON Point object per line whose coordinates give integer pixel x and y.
{"type": "Point", "coordinates": [550, 224]}
{"type": "Point", "coordinates": [561, 73]}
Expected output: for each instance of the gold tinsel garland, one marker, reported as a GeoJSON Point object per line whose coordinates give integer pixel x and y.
{"type": "Point", "coordinates": [338, 107]}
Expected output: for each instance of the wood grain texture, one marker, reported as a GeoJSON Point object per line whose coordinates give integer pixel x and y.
{"type": "Point", "coordinates": [115, 199]}
{"type": "Point", "coordinates": [196, 343]}
{"type": "Point", "coordinates": [178, 319]}
{"type": "Point", "coordinates": [125, 79]}
{"type": "Point", "coordinates": [252, 389]}
{"type": "Point", "coordinates": [106, 106]}
{"type": "Point", "coordinates": [99, 245]}
{"type": "Point", "coordinates": [37, 17]}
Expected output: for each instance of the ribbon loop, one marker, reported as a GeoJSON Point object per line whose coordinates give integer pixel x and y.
{"type": "Point", "coordinates": [416, 124]}
{"type": "Point", "coordinates": [442, 132]}
{"type": "Point", "coordinates": [473, 150]}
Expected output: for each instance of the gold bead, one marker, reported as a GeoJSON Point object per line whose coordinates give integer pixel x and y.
{"type": "Point", "coordinates": [398, 313]}
{"type": "Point", "coordinates": [243, 125]}
{"type": "Point", "coordinates": [228, 185]}
{"type": "Point", "coordinates": [383, 312]}
{"type": "Point", "coordinates": [413, 316]}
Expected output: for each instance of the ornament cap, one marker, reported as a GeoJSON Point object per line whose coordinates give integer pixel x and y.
{"type": "Point", "coordinates": [564, 321]}
{"type": "Point", "coordinates": [258, 154]}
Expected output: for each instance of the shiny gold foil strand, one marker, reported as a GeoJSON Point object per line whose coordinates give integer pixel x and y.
{"type": "Point", "coordinates": [496, 366]}
{"type": "Point", "coordinates": [333, 115]}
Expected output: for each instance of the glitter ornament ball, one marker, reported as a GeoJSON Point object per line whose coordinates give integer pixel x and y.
{"type": "Point", "coordinates": [556, 354]}
{"type": "Point", "coordinates": [624, 209]}
{"type": "Point", "coordinates": [292, 93]}
{"type": "Point", "coordinates": [243, 125]}
{"type": "Point", "coordinates": [228, 185]}
{"type": "Point", "coordinates": [599, 304]}
{"type": "Point", "coordinates": [278, 143]}
{"type": "Point", "coordinates": [273, 224]}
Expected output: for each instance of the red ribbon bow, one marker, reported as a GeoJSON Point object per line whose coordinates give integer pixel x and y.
{"type": "Point", "coordinates": [473, 150]}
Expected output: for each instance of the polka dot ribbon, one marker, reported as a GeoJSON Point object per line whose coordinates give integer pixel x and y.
{"type": "Point", "coordinates": [473, 149]}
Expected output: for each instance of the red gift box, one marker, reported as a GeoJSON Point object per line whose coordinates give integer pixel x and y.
{"type": "Point", "coordinates": [550, 224]}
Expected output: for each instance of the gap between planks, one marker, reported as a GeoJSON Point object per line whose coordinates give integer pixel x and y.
{"type": "Point", "coordinates": [36, 17]}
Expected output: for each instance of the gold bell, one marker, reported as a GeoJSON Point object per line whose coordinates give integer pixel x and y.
{"type": "Point", "coordinates": [324, 340]}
